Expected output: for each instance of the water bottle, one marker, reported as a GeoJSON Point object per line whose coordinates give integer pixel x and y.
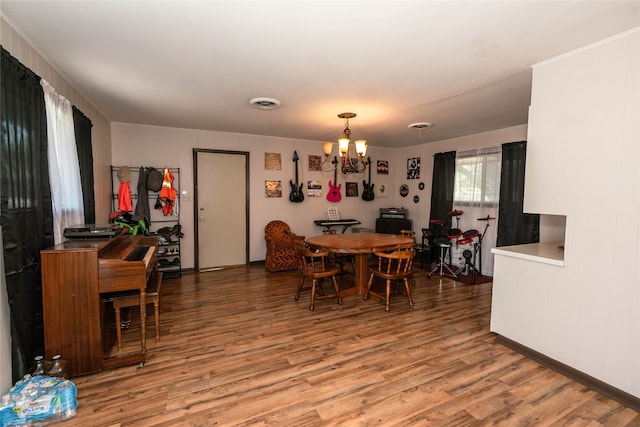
{"type": "Point", "coordinates": [59, 368]}
{"type": "Point", "coordinates": [39, 366]}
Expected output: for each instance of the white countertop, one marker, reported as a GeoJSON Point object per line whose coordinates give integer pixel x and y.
{"type": "Point", "coordinates": [547, 252]}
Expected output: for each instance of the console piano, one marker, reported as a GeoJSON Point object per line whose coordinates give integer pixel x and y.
{"type": "Point", "coordinates": [77, 278]}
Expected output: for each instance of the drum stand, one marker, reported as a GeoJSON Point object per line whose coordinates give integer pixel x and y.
{"type": "Point", "coordinates": [477, 251]}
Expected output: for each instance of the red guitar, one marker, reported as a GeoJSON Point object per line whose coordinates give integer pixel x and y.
{"type": "Point", "coordinates": [334, 192]}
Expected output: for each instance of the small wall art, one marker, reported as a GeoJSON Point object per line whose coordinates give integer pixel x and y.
{"type": "Point", "coordinates": [272, 161]}
{"type": "Point", "coordinates": [382, 190]}
{"type": "Point", "coordinates": [273, 188]}
{"type": "Point", "coordinates": [413, 168]}
{"type": "Point", "coordinates": [314, 189]}
{"type": "Point", "coordinates": [315, 163]}
{"type": "Point", "coordinates": [351, 189]}
{"type": "Point", "coordinates": [382, 167]}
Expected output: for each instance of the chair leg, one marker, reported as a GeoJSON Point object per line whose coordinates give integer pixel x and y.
{"type": "Point", "coordinates": [299, 288]}
{"type": "Point", "coordinates": [406, 285]}
{"type": "Point", "coordinates": [313, 294]}
{"type": "Point", "coordinates": [388, 307]}
{"type": "Point", "coordinates": [337, 288]}
{"type": "Point", "coordinates": [156, 308]}
{"type": "Point", "coordinates": [366, 292]}
{"type": "Point", "coordinates": [118, 331]}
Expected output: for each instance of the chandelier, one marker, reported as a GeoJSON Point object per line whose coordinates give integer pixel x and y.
{"type": "Point", "coordinates": [350, 163]}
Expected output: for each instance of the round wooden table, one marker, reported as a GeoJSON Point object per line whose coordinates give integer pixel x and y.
{"type": "Point", "coordinates": [360, 245]}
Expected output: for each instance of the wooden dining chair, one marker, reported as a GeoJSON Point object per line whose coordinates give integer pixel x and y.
{"type": "Point", "coordinates": [315, 265]}
{"type": "Point", "coordinates": [341, 259]}
{"type": "Point", "coordinates": [412, 234]}
{"type": "Point", "coordinates": [391, 267]}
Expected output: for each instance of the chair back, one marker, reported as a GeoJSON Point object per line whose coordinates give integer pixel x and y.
{"type": "Point", "coordinates": [397, 263]}
{"type": "Point", "coordinates": [276, 230]}
{"type": "Point", "coordinates": [281, 253]}
{"type": "Point", "coordinates": [312, 261]}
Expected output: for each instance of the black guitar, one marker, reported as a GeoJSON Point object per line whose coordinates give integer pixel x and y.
{"type": "Point", "coordinates": [296, 195]}
{"type": "Point", "coordinates": [367, 193]}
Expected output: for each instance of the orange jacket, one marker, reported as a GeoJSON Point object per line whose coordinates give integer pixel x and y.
{"type": "Point", "coordinates": [167, 193]}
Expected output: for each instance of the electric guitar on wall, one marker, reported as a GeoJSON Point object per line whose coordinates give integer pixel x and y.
{"type": "Point", "coordinates": [296, 195]}
{"type": "Point", "coordinates": [367, 193]}
{"type": "Point", "coordinates": [334, 192]}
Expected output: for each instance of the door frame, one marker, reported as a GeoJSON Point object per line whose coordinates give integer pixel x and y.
{"type": "Point", "coordinates": [196, 251]}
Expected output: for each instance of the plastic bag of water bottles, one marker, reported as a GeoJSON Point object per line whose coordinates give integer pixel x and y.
{"type": "Point", "coordinates": [38, 401]}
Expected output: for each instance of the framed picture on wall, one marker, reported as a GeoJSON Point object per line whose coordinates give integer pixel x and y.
{"type": "Point", "coordinates": [315, 163]}
{"type": "Point", "coordinates": [382, 166]}
{"type": "Point", "coordinates": [314, 189]}
{"type": "Point", "coordinates": [413, 168]}
{"type": "Point", "coordinates": [352, 189]}
{"type": "Point", "coordinates": [381, 190]}
{"type": "Point", "coordinates": [273, 188]}
{"type": "Point", "coordinates": [272, 161]}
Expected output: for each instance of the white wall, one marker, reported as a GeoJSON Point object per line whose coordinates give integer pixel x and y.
{"type": "Point", "coordinates": [582, 162]}
{"type": "Point", "coordinates": [136, 145]}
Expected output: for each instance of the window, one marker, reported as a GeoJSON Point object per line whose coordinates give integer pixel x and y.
{"type": "Point", "coordinates": [477, 177]}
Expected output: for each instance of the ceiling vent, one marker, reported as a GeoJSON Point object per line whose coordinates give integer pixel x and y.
{"type": "Point", "coordinates": [265, 103]}
{"type": "Point", "coordinates": [420, 126]}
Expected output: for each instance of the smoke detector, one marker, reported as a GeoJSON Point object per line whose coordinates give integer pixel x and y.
{"type": "Point", "coordinates": [265, 103]}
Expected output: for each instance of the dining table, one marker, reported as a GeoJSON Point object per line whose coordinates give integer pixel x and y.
{"type": "Point", "coordinates": [360, 245]}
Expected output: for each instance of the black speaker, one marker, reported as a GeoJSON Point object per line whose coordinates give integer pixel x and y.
{"type": "Point", "coordinates": [392, 225]}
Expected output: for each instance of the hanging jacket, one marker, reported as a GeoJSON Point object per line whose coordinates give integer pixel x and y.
{"type": "Point", "coordinates": [124, 197]}
{"type": "Point", "coordinates": [143, 212]}
{"type": "Point", "coordinates": [167, 194]}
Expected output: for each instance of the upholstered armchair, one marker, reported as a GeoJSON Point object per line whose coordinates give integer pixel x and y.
{"type": "Point", "coordinates": [281, 250]}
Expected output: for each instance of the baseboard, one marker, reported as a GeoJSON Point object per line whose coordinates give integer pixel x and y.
{"type": "Point", "coordinates": [608, 390]}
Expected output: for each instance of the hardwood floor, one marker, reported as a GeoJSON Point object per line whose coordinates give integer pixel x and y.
{"type": "Point", "coordinates": [236, 349]}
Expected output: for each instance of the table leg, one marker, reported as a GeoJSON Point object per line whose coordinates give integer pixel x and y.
{"type": "Point", "coordinates": [362, 268]}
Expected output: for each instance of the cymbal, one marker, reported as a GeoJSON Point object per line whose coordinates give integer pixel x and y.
{"type": "Point", "coordinates": [487, 218]}
{"type": "Point", "coordinates": [455, 212]}
{"type": "Point", "coordinates": [437, 221]}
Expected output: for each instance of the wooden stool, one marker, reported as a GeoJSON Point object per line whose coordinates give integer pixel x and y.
{"type": "Point", "coordinates": [133, 300]}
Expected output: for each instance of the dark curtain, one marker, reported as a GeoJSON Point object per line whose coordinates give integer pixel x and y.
{"type": "Point", "coordinates": [444, 171]}
{"type": "Point", "coordinates": [27, 220]}
{"type": "Point", "coordinates": [82, 129]}
{"type": "Point", "coordinates": [514, 226]}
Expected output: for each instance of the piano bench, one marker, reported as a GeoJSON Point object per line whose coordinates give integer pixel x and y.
{"type": "Point", "coordinates": [133, 300]}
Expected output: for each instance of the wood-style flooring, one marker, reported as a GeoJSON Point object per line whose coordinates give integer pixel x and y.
{"type": "Point", "coordinates": [236, 350]}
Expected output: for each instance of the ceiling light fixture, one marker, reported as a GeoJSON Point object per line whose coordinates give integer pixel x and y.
{"type": "Point", "coordinates": [419, 127]}
{"type": "Point", "coordinates": [355, 164]}
{"type": "Point", "coordinates": [265, 103]}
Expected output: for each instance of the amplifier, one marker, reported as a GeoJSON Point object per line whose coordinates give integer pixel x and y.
{"type": "Point", "coordinates": [394, 213]}
{"type": "Point", "coordinates": [392, 225]}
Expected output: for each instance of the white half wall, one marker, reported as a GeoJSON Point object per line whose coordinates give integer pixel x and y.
{"type": "Point", "coordinates": [582, 162]}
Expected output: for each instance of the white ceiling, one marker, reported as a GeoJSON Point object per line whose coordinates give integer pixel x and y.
{"type": "Point", "coordinates": [464, 66]}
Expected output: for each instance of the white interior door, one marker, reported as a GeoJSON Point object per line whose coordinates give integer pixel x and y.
{"type": "Point", "coordinates": [221, 186]}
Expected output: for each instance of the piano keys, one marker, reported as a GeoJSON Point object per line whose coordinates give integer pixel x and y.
{"type": "Point", "coordinates": [77, 277]}
{"type": "Point", "coordinates": [328, 223]}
